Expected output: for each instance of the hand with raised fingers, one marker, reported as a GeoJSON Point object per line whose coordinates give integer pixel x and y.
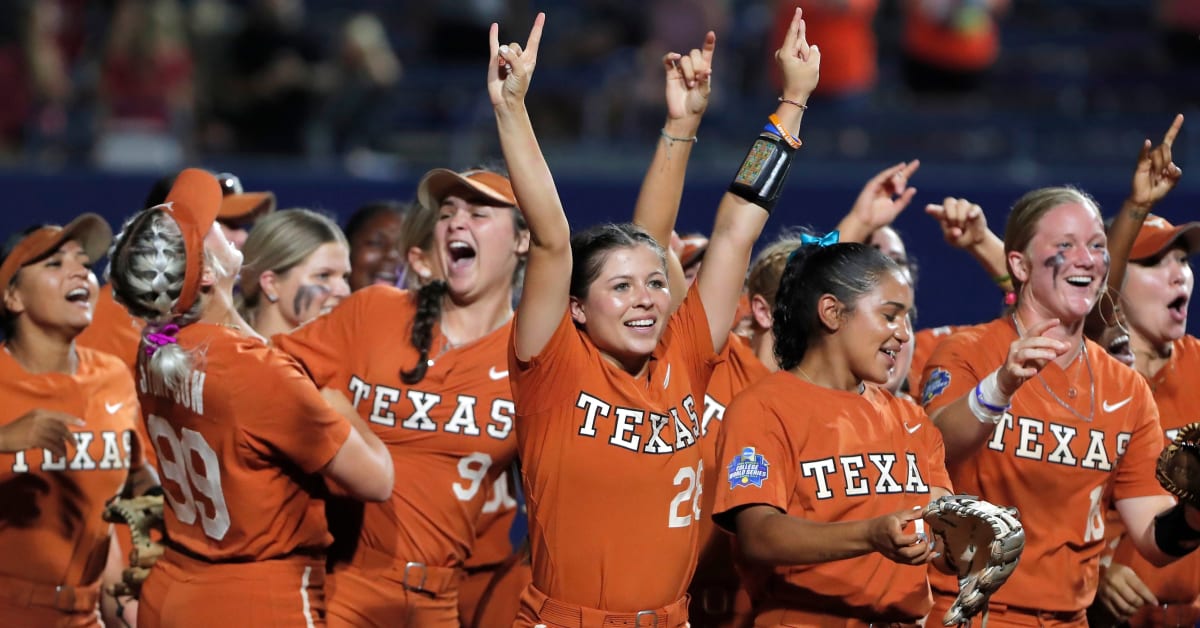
{"type": "Point", "coordinates": [689, 80]}
{"type": "Point", "coordinates": [963, 223]}
{"type": "Point", "coordinates": [1155, 174]}
{"type": "Point", "coordinates": [884, 196]}
{"type": "Point", "coordinates": [511, 67]}
{"type": "Point", "coordinates": [799, 62]}
{"type": "Point", "coordinates": [40, 429]}
{"type": "Point", "coordinates": [1028, 355]}
{"type": "Point", "coordinates": [901, 538]}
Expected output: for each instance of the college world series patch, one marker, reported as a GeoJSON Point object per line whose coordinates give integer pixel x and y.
{"type": "Point", "coordinates": [748, 469]}
{"type": "Point", "coordinates": [939, 379]}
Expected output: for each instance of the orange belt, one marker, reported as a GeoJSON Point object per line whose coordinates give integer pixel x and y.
{"type": "Point", "coordinates": [558, 613]}
{"type": "Point", "coordinates": [823, 620]}
{"type": "Point", "coordinates": [1060, 616]}
{"type": "Point", "coordinates": [432, 580]}
{"type": "Point", "coordinates": [63, 597]}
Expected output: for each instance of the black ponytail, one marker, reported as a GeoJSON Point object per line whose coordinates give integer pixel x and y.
{"type": "Point", "coordinates": [429, 311]}
{"type": "Point", "coordinates": [846, 270]}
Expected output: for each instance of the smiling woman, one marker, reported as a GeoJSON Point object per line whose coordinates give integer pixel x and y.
{"type": "Point", "coordinates": [374, 232]}
{"type": "Point", "coordinates": [439, 396]}
{"type": "Point", "coordinates": [297, 266]}
{"type": "Point", "coordinates": [1027, 401]}
{"type": "Point", "coordinates": [59, 403]}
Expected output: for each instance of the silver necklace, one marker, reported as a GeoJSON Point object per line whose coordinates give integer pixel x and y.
{"type": "Point", "coordinates": [1087, 361]}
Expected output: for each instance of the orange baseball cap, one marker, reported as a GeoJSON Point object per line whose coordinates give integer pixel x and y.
{"type": "Point", "coordinates": [484, 186]}
{"type": "Point", "coordinates": [91, 231]}
{"type": "Point", "coordinates": [193, 203]}
{"type": "Point", "coordinates": [1157, 235]}
{"type": "Point", "coordinates": [238, 204]}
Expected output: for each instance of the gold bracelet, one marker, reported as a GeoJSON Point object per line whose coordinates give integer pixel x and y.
{"type": "Point", "coordinates": [792, 102]}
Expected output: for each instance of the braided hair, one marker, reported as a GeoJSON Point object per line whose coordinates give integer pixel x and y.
{"type": "Point", "coordinates": [429, 312]}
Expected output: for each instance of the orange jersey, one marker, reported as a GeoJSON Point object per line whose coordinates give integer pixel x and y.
{"type": "Point", "coordinates": [612, 466]}
{"type": "Point", "coordinates": [1058, 468]}
{"type": "Point", "coordinates": [51, 512]}
{"type": "Point", "coordinates": [236, 447]}
{"type": "Point", "coordinates": [492, 543]}
{"type": "Point", "coordinates": [113, 330]}
{"type": "Point", "coordinates": [738, 369]}
{"type": "Point", "coordinates": [1178, 400]}
{"type": "Point", "coordinates": [451, 430]}
{"type": "Point", "coordinates": [826, 456]}
{"type": "Point", "coordinates": [924, 342]}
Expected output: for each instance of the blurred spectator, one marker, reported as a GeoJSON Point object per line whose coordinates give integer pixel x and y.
{"type": "Point", "coordinates": [39, 42]}
{"type": "Point", "coordinates": [950, 45]}
{"type": "Point", "coordinates": [275, 65]}
{"type": "Point", "coordinates": [360, 100]}
{"type": "Point", "coordinates": [1180, 21]}
{"type": "Point", "coordinates": [375, 231]}
{"type": "Point", "coordinates": [146, 86]}
{"type": "Point", "coordinates": [844, 31]}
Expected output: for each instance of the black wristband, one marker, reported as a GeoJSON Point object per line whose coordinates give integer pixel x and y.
{"type": "Point", "coordinates": [763, 171]}
{"type": "Point", "coordinates": [1172, 534]}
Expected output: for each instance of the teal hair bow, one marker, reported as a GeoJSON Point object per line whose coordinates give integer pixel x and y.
{"type": "Point", "coordinates": [825, 240]}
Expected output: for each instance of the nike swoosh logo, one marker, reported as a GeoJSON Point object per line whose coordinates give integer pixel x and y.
{"type": "Point", "coordinates": [112, 407]}
{"type": "Point", "coordinates": [914, 428]}
{"type": "Point", "coordinates": [497, 375]}
{"type": "Point", "coordinates": [1116, 406]}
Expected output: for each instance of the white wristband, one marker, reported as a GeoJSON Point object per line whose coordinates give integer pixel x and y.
{"type": "Point", "coordinates": [990, 390]}
{"type": "Point", "coordinates": [986, 401]}
{"type": "Point", "coordinates": [981, 413]}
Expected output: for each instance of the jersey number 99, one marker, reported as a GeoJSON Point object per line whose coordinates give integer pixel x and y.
{"type": "Point", "coordinates": [176, 454]}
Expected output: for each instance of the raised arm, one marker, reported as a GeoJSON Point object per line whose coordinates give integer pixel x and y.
{"type": "Point", "coordinates": [689, 82]}
{"type": "Point", "coordinates": [883, 197]}
{"type": "Point", "coordinates": [1154, 176]}
{"type": "Point", "coordinates": [548, 270]}
{"type": "Point", "coordinates": [964, 226]}
{"type": "Point", "coordinates": [744, 208]}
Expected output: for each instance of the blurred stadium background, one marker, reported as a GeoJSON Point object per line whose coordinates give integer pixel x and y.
{"type": "Point", "coordinates": [333, 104]}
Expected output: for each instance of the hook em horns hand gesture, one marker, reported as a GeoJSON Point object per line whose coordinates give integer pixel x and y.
{"type": "Point", "coordinates": [511, 66]}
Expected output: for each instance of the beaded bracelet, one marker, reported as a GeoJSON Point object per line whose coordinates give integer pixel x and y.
{"type": "Point", "coordinates": [693, 139]}
{"type": "Point", "coordinates": [789, 101]}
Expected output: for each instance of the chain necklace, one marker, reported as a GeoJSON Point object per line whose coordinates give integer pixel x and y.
{"type": "Point", "coordinates": [1087, 361]}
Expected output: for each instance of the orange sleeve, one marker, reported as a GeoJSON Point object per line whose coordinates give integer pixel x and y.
{"type": "Point", "coordinates": [951, 372]}
{"type": "Point", "coordinates": [550, 378]}
{"type": "Point", "coordinates": [689, 328]}
{"type": "Point", "coordinates": [1134, 474]}
{"type": "Point", "coordinates": [295, 420]}
{"type": "Point", "coordinates": [755, 461]}
{"type": "Point", "coordinates": [321, 344]}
